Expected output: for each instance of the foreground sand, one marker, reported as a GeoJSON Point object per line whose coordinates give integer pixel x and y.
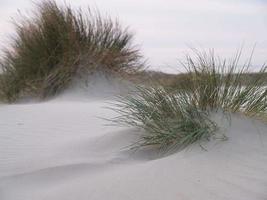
{"type": "Point", "coordinates": [61, 149]}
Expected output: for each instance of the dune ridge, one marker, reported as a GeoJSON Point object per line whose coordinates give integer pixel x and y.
{"type": "Point", "coordinates": [61, 149]}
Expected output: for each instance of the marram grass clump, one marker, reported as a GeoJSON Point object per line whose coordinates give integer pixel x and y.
{"type": "Point", "coordinates": [217, 84]}
{"type": "Point", "coordinates": [57, 43]}
{"type": "Point", "coordinates": [172, 119]}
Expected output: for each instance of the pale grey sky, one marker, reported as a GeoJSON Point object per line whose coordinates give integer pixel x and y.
{"type": "Point", "coordinates": [166, 29]}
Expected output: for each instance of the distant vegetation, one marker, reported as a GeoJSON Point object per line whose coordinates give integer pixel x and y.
{"type": "Point", "coordinates": [149, 77]}
{"type": "Point", "coordinates": [174, 117]}
{"type": "Point", "coordinates": [57, 44]}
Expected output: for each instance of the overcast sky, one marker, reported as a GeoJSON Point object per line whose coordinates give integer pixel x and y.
{"type": "Point", "coordinates": [166, 29]}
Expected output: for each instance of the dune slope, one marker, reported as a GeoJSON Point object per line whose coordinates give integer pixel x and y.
{"type": "Point", "coordinates": [61, 149]}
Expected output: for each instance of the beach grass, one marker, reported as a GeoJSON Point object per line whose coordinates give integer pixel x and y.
{"type": "Point", "coordinates": [169, 121]}
{"type": "Point", "coordinates": [174, 119]}
{"type": "Point", "coordinates": [57, 43]}
{"type": "Point", "coordinates": [216, 83]}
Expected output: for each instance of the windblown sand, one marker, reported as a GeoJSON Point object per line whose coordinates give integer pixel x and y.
{"type": "Point", "coordinates": [62, 150]}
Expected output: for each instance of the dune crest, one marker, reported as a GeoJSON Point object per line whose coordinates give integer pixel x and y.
{"type": "Point", "coordinates": [96, 86]}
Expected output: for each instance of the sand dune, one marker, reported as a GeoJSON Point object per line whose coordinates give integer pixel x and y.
{"type": "Point", "coordinates": [62, 149]}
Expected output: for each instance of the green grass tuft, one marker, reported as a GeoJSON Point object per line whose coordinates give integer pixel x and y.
{"type": "Point", "coordinates": [218, 84]}
{"type": "Point", "coordinates": [174, 119]}
{"type": "Point", "coordinates": [170, 120]}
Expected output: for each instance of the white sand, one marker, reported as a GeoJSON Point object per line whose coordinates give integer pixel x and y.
{"type": "Point", "coordinates": [61, 150]}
